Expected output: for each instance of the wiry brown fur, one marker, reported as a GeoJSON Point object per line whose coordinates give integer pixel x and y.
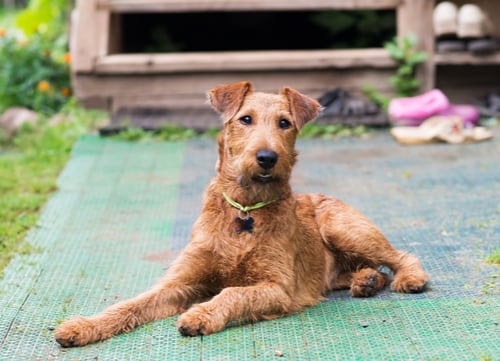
{"type": "Point", "coordinates": [302, 246]}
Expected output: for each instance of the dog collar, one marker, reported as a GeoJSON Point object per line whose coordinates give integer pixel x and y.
{"type": "Point", "coordinates": [244, 222]}
{"type": "Point", "coordinates": [247, 208]}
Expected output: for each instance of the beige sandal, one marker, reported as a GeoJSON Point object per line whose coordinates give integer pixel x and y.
{"type": "Point", "coordinates": [447, 129]}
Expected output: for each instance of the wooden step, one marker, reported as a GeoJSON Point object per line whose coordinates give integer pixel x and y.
{"type": "Point", "coordinates": [242, 61]}
{"type": "Point", "coordinates": [123, 6]}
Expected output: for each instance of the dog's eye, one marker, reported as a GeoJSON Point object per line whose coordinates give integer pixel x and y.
{"type": "Point", "coordinates": [285, 124]}
{"type": "Point", "coordinates": [246, 120]}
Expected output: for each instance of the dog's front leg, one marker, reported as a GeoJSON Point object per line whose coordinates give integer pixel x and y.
{"type": "Point", "coordinates": [264, 300]}
{"type": "Point", "coordinates": [158, 303]}
{"type": "Point", "coordinates": [176, 291]}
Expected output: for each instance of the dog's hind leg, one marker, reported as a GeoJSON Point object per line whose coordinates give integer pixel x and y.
{"type": "Point", "coordinates": [365, 282]}
{"type": "Point", "coordinates": [176, 291]}
{"type": "Point", "coordinates": [358, 243]}
{"type": "Point", "coordinates": [409, 277]}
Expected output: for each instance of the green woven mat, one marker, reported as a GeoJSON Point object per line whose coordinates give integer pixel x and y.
{"type": "Point", "coordinates": [124, 210]}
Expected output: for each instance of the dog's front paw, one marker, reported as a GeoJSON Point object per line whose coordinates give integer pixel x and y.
{"type": "Point", "coordinates": [75, 332]}
{"type": "Point", "coordinates": [410, 283]}
{"type": "Point", "coordinates": [198, 321]}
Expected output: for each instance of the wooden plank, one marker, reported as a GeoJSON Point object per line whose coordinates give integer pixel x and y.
{"type": "Point", "coordinates": [102, 23]}
{"type": "Point", "coordinates": [115, 34]}
{"type": "Point", "coordinates": [466, 58]}
{"type": "Point", "coordinates": [198, 100]}
{"type": "Point", "coordinates": [415, 17]}
{"type": "Point", "coordinates": [237, 5]}
{"type": "Point", "coordinates": [83, 38]}
{"type": "Point", "coordinates": [239, 61]}
{"type": "Point", "coordinates": [195, 85]}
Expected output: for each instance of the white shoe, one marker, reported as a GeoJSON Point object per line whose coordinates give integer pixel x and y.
{"type": "Point", "coordinates": [444, 18]}
{"type": "Point", "coordinates": [472, 22]}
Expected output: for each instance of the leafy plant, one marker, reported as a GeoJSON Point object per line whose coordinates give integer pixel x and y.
{"type": "Point", "coordinates": [402, 50]}
{"type": "Point", "coordinates": [31, 75]}
{"type": "Point", "coordinates": [405, 83]}
{"type": "Point", "coordinates": [167, 132]}
{"type": "Point", "coordinates": [34, 70]}
{"type": "Point", "coordinates": [312, 130]}
{"type": "Point", "coordinates": [375, 96]}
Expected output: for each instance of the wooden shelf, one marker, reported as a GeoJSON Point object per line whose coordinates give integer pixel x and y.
{"type": "Point", "coordinates": [123, 6]}
{"type": "Point", "coordinates": [242, 61]}
{"type": "Point", "coordinates": [466, 58]}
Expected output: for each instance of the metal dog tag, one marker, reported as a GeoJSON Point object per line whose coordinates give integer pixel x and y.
{"type": "Point", "coordinates": [243, 224]}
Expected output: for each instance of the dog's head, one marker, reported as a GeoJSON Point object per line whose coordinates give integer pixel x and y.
{"type": "Point", "coordinates": [257, 143]}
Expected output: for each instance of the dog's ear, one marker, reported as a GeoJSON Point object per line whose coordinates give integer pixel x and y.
{"type": "Point", "coordinates": [227, 99]}
{"type": "Point", "coordinates": [302, 107]}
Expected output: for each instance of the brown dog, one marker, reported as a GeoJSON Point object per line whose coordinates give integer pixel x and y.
{"type": "Point", "coordinates": [258, 251]}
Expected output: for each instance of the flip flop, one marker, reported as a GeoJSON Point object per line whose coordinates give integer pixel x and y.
{"type": "Point", "coordinates": [449, 129]}
{"type": "Point", "coordinates": [477, 134]}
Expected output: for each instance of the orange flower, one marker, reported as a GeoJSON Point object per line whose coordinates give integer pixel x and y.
{"type": "Point", "coordinates": [67, 58]}
{"type": "Point", "coordinates": [2, 32]}
{"type": "Point", "coordinates": [43, 86]}
{"type": "Point", "coordinates": [66, 91]}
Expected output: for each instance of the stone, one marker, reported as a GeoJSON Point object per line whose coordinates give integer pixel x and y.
{"type": "Point", "coordinates": [13, 118]}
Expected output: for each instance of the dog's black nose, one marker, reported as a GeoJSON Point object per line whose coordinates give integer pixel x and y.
{"type": "Point", "coordinates": [267, 158]}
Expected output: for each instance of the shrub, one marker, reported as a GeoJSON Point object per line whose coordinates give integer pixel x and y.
{"type": "Point", "coordinates": [31, 76]}
{"type": "Point", "coordinates": [34, 72]}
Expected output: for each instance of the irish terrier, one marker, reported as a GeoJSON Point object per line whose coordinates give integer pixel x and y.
{"type": "Point", "coordinates": [258, 251]}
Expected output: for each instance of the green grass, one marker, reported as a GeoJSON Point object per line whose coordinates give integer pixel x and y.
{"type": "Point", "coordinates": [165, 133]}
{"type": "Point", "coordinates": [486, 357]}
{"type": "Point", "coordinates": [29, 165]}
{"type": "Point", "coordinates": [494, 257]}
{"type": "Point", "coordinates": [177, 133]}
{"type": "Point", "coordinates": [312, 130]}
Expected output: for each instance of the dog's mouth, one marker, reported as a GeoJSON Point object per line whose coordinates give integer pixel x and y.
{"type": "Point", "coordinates": [263, 178]}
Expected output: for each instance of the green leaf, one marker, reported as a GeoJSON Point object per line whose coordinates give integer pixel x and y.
{"type": "Point", "coordinates": [405, 70]}
{"type": "Point", "coordinates": [395, 52]}
{"type": "Point", "coordinates": [417, 58]}
{"type": "Point", "coordinates": [409, 41]}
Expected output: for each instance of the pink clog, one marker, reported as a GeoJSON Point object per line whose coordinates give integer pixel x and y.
{"type": "Point", "coordinates": [414, 110]}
